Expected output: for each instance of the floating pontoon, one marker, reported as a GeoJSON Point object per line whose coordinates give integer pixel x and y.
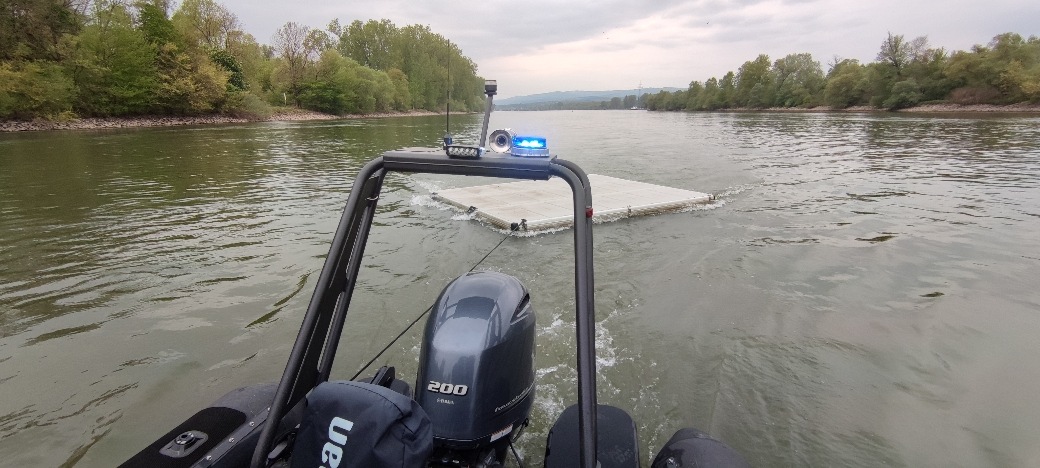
{"type": "Point", "coordinates": [545, 204]}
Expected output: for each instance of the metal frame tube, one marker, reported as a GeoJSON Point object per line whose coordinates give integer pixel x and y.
{"type": "Point", "coordinates": [585, 320]}
{"type": "Point", "coordinates": [288, 392]}
{"type": "Point", "coordinates": [310, 361]}
{"type": "Point", "coordinates": [340, 287]}
{"type": "Point", "coordinates": [353, 266]}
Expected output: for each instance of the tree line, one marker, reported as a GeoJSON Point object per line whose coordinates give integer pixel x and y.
{"type": "Point", "coordinates": [904, 74]}
{"type": "Point", "coordinates": [86, 58]}
{"type": "Point", "coordinates": [614, 103]}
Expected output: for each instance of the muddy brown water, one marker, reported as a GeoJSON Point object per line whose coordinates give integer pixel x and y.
{"type": "Point", "coordinates": [865, 291]}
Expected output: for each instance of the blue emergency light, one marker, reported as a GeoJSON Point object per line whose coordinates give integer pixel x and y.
{"type": "Point", "coordinates": [529, 147]}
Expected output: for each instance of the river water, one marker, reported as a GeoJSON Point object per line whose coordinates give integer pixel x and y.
{"type": "Point", "coordinates": [865, 291]}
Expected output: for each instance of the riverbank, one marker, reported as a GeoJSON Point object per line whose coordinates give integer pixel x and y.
{"type": "Point", "coordinates": [987, 108]}
{"type": "Point", "coordinates": [282, 115]}
{"type": "Point", "coordinates": [1020, 108]}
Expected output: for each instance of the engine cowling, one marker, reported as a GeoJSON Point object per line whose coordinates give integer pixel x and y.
{"type": "Point", "coordinates": [476, 365]}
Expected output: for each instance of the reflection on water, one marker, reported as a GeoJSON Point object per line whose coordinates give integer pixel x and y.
{"type": "Point", "coordinates": [863, 292]}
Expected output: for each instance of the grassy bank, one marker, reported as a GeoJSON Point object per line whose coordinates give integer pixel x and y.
{"type": "Point", "coordinates": [280, 114]}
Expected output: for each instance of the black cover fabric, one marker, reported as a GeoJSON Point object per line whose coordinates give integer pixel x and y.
{"type": "Point", "coordinates": [382, 428]}
{"type": "Point", "coordinates": [692, 448]}
{"type": "Point", "coordinates": [216, 421]}
{"type": "Point", "coordinates": [616, 443]}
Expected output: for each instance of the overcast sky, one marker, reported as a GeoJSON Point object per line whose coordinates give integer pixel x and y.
{"type": "Point", "coordinates": [535, 46]}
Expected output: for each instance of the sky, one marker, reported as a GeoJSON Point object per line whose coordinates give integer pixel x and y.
{"type": "Point", "coordinates": [536, 46]}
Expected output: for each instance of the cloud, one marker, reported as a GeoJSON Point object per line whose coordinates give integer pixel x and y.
{"type": "Point", "coordinates": [548, 45]}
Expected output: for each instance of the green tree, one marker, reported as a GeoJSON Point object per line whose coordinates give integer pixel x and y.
{"type": "Point", "coordinates": [333, 87]}
{"type": "Point", "coordinates": [402, 97]}
{"type": "Point", "coordinates": [750, 74]}
{"type": "Point", "coordinates": [373, 44]}
{"type": "Point", "coordinates": [693, 95]}
{"type": "Point", "coordinates": [971, 68]}
{"type": "Point", "coordinates": [905, 93]}
{"type": "Point", "coordinates": [1020, 83]}
{"type": "Point", "coordinates": [382, 89]}
{"type": "Point", "coordinates": [433, 65]}
{"type": "Point", "coordinates": [317, 42]}
{"type": "Point", "coordinates": [206, 24]}
{"type": "Point", "coordinates": [255, 61]}
{"type": "Point", "coordinates": [972, 77]}
{"type": "Point", "coordinates": [1003, 71]}
{"type": "Point", "coordinates": [893, 51]}
{"type": "Point", "coordinates": [727, 91]}
{"type": "Point", "coordinates": [928, 69]}
{"type": "Point", "coordinates": [34, 89]}
{"type": "Point", "coordinates": [1018, 62]}
{"type": "Point", "coordinates": [899, 60]}
{"type": "Point", "coordinates": [157, 28]}
{"type": "Point", "coordinates": [340, 85]}
{"type": "Point", "coordinates": [799, 81]}
{"type": "Point", "coordinates": [34, 29]}
{"type": "Point", "coordinates": [711, 97]}
{"type": "Point", "coordinates": [118, 57]}
{"type": "Point", "coordinates": [230, 64]}
{"type": "Point", "coordinates": [1011, 47]}
{"type": "Point", "coordinates": [188, 83]}
{"type": "Point", "coordinates": [211, 29]}
{"type": "Point", "coordinates": [677, 101]}
{"type": "Point", "coordinates": [656, 101]}
{"type": "Point", "coordinates": [846, 84]}
{"type": "Point", "coordinates": [293, 58]}
{"type": "Point", "coordinates": [114, 66]}
{"type": "Point", "coordinates": [905, 73]}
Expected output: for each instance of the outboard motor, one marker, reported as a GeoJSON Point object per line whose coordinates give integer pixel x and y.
{"type": "Point", "coordinates": [476, 368]}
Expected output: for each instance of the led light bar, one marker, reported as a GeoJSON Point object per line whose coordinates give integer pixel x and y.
{"type": "Point", "coordinates": [530, 147]}
{"type": "Point", "coordinates": [461, 151]}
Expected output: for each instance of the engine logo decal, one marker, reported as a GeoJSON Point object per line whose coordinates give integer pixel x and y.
{"type": "Point", "coordinates": [447, 388]}
{"type": "Point", "coordinates": [515, 399]}
{"type": "Point", "coordinates": [501, 433]}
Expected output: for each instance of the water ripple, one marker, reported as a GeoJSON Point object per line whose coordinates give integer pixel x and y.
{"type": "Point", "coordinates": [835, 301]}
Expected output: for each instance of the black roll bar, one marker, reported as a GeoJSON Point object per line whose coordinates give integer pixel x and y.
{"type": "Point", "coordinates": [310, 361]}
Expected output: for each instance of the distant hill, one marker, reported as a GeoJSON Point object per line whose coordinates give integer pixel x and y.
{"type": "Point", "coordinates": [576, 96]}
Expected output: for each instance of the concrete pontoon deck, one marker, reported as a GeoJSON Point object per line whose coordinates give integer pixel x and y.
{"type": "Point", "coordinates": [547, 204]}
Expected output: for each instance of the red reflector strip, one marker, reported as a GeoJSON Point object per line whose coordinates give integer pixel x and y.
{"type": "Point", "coordinates": [588, 211]}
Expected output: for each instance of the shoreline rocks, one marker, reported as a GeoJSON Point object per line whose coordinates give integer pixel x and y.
{"type": "Point", "coordinates": [96, 123]}
{"type": "Point", "coordinates": [924, 108]}
{"type": "Point", "coordinates": [1022, 107]}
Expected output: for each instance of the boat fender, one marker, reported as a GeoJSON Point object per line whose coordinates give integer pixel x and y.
{"type": "Point", "coordinates": [692, 448]}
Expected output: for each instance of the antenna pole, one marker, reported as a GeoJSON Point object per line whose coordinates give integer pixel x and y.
{"type": "Point", "coordinates": [490, 89]}
{"type": "Point", "coordinates": [447, 105]}
{"type": "Point", "coordinates": [447, 111]}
